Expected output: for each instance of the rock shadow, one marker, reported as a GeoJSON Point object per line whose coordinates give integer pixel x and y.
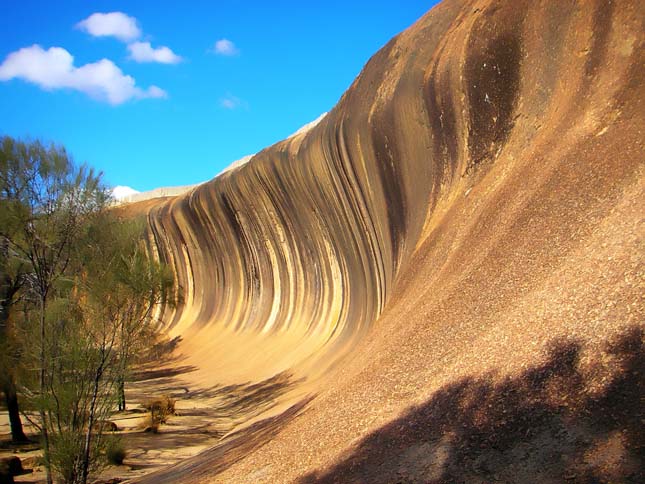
{"type": "Point", "coordinates": [578, 417]}
{"type": "Point", "coordinates": [248, 399]}
{"type": "Point", "coordinates": [228, 451]}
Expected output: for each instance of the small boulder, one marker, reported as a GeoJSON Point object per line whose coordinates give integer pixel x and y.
{"type": "Point", "coordinates": [105, 426]}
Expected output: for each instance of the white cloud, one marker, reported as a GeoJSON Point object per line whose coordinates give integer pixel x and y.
{"type": "Point", "coordinates": [225, 47]}
{"type": "Point", "coordinates": [229, 103]}
{"type": "Point", "coordinates": [54, 69]}
{"type": "Point", "coordinates": [125, 28]}
{"type": "Point", "coordinates": [113, 24]}
{"type": "Point", "coordinates": [232, 102]}
{"type": "Point", "coordinates": [156, 92]}
{"type": "Point", "coordinates": [143, 52]}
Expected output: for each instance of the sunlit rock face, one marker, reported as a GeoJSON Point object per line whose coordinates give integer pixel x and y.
{"type": "Point", "coordinates": [471, 196]}
{"type": "Point", "coordinates": [303, 244]}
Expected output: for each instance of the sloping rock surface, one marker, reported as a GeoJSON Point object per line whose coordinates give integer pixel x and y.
{"type": "Point", "coordinates": [447, 270]}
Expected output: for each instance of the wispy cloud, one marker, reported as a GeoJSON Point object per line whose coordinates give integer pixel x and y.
{"type": "Point", "coordinates": [113, 24]}
{"type": "Point", "coordinates": [54, 69]}
{"type": "Point", "coordinates": [225, 47]}
{"type": "Point", "coordinates": [232, 102]}
{"type": "Point", "coordinates": [144, 52]}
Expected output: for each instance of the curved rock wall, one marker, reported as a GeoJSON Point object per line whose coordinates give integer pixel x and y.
{"type": "Point", "coordinates": [299, 249]}
{"type": "Point", "coordinates": [472, 204]}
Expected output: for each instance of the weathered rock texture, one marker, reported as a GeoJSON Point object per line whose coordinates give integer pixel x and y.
{"type": "Point", "coordinates": [475, 198]}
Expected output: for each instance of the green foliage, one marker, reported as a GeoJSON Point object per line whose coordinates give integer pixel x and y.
{"type": "Point", "coordinates": [44, 200]}
{"type": "Point", "coordinates": [66, 454]}
{"type": "Point", "coordinates": [82, 291]}
{"type": "Point", "coordinates": [115, 452]}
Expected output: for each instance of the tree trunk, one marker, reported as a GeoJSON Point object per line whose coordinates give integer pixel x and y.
{"type": "Point", "coordinates": [85, 469]}
{"type": "Point", "coordinates": [17, 433]}
{"type": "Point", "coordinates": [121, 391]}
{"type": "Point", "coordinates": [9, 384]}
{"type": "Point", "coordinates": [43, 417]}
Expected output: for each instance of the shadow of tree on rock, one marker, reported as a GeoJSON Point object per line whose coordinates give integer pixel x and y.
{"type": "Point", "coordinates": [230, 450]}
{"type": "Point", "coordinates": [247, 399]}
{"type": "Point", "coordinates": [578, 417]}
{"type": "Point", "coordinates": [157, 373]}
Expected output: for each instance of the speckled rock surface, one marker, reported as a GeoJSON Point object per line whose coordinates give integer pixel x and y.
{"type": "Point", "coordinates": [447, 270]}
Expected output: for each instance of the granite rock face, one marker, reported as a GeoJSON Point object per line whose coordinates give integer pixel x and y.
{"type": "Point", "coordinates": [469, 155]}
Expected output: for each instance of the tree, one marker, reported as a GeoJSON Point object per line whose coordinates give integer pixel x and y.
{"type": "Point", "coordinates": [100, 311]}
{"type": "Point", "coordinates": [118, 289]}
{"type": "Point", "coordinates": [80, 290]}
{"type": "Point", "coordinates": [11, 281]}
{"type": "Point", "coordinates": [45, 200]}
{"type": "Point", "coordinates": [13, 272]}
{"type": "Point", "coordinates": [70, 402]}
{"type": "Point", "coordinates": [131, 286]}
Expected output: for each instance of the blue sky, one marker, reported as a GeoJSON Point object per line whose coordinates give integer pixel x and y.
{"type": "Point", "coordinates": [169, 106]}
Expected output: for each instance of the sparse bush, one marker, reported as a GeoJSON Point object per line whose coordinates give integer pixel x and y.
{"type": "Point", "coordinates": [115, 452]}
{"type": "Point", "coordinates": [160, 409]}
{"type": "Point", "coordinates": [66, 455]}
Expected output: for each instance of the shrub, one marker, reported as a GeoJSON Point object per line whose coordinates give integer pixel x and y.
{"type": "Point", "coordinates": [115, 452]}
{"type": "Point", "coordinates": [160, 409]}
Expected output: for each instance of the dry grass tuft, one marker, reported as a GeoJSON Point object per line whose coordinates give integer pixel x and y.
{"type": "Point", "coordinates": [160, 409]}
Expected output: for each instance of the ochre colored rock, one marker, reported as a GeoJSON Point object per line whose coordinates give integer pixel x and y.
{"type": "Point", "coordinates": [469, 211]}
